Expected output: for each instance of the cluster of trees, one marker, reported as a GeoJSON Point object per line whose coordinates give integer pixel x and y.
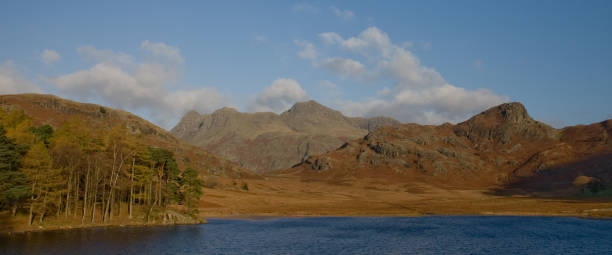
{"type": "Point", "coordinates": [78, 172]}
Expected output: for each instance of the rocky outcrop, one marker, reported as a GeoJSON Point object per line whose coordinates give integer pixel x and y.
{"type": "Point", "coordinates": [321, 164]}
{"type": "Point", "coordinates": [172, 217]}
{"type": "Point", "coordinates": [266, 141]}
{"type": "Point", "coordinates": [504, 124]}
{"type": "Point", "coordinates": [502, 146]}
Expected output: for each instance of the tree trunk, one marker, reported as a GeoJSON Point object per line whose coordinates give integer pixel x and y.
{"type": "Point", "coordinates": [149, 213]}
{"type": "Point", "coordinates": [85, 194]}
{"type": "Point", "coordinates": [31, 214]}
{"type": "Point", "coordinates": [44, 208]}
{"type": "Point", "coordinates": [110, 196]}
{"type": "Point", "coordinates": [106, 207]}
{"type": "Point", "coordinates": [119, 198]}
{"type": "Point", "coordinates": [76, 192]}
{"type": "Point", "coordinates": [95, 198]}
{"type": "Point", "coordinates": [59, 207]}
{"type": "Point", "coordinates": [132, 188]}
{"type": "Point", "coordinates": [68, 195]}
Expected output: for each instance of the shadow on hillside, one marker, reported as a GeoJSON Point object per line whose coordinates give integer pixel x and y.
{"type": "Point", "coordinates": [558, 181]}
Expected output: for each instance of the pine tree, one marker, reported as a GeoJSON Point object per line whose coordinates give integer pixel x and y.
{"type": "Point", "coordinates": [14, 187]}
{"type": "Point", "coordinates": [167, 175]}
{"type": "Point", "coordinates": [192, 189]}
{"type": "Point", "coordinates": [42, 133]}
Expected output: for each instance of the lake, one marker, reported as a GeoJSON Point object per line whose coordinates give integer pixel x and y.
{"type": "Point", "coordinates": [332, 235]}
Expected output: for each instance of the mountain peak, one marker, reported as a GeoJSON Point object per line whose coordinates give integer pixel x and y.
{"type": "Point", "coordinates": [513, 112]}
{"type": "Point", "coordinates": [192, 114]}
{"type": "Point", "coordinates": [308, 107]}
{"type": "Point", "coordinates": [506, 113]}
{"type": "Point", "coordinates": [503, 124]}
{"type": "Point", "coordinates": [226, 110]}
{"type": "Point", "coordinates": [307, 128]}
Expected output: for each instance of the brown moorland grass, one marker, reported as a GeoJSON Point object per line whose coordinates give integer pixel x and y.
{"type": "Point", "coordinates": [291, 197]}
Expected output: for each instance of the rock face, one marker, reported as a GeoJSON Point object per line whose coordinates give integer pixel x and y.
{"type": "Point", "coordinates": [502, 146]}
{"type": "Point", "coordinates": [52, 110]}
{"type": "Point", "coordinates": [504, 124]}
{"type": "Point", "coordinates": [267, 141]}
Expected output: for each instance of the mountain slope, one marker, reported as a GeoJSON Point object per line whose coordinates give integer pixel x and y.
{"type": "Point", "coordinates": [267, 141]}
{"type": "Point", "coordinates": [501, 147]}
{"type": "Point", "coordinates": [52, 110]}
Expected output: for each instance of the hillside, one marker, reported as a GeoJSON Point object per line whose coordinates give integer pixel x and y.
{"type": "Point", "coordinates": [55, 111]}
{"type": "Point", "coordinates": [267, 141]}
{"type": "Point", "coordinates": [502, 148]}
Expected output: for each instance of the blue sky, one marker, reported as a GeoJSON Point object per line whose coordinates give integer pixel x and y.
{"type": "Point", "coordinates": [425, 62]}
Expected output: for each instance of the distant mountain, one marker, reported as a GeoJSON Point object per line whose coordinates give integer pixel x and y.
{"type": "Point", "coordinates": [52, 110]}
{"type": "Point", "coordinates": [501, 147]}
{"type": "Point", "coordinates": [267, 141]}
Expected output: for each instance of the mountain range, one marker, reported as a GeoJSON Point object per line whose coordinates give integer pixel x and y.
{"type": "Point", "coordinates": [267, 141]}
{"type": "Point", "coordinates": [501, 147]}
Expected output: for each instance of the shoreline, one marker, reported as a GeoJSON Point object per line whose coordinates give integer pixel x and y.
{"type": "Point", "coordinates": [256, 217]}
{"type": "Point", "coordinates": [64, 228]}
{"type": "Point", "coordinates": [18, 229]}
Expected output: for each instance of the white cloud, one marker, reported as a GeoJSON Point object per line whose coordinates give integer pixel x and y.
{"type": "Point", "coordinates": [92, 54]}
{"type": "Point", "coordinates": [111, 83]}
{"type": "Point", "coordinates": [370, 41]}
{"type": "Point", "coordinates": [308, 50]}
{"type": "Point", "coordinates": [150, 86]}
{"type": "Point", "coordinates": [328, 84]}
{"type": "Point", "coordinates": [279, 96]}
{"type": "Point", "coordinates": [202, 100]}
{"type": "Point", "coordinates": [345, 14]}
{"type": "Point", "coordinates": [162, 50]}
{"type": "Point", "coordinates": [329, 90]}
{"type": "Point", "coordinates": [330, 37]}
{"type": "Point", "coordinates": [385, 91]}
{"type": "Point", "coordinates": [49, 57]}
{"type": "Point", "coordinates": [305, 8]}
{"type": "Point", "coordinates": [344, 67]}
{"type": "Point", "coordinates": [420, 93]}
{"type": "Point", "coordinates": [13, 82]}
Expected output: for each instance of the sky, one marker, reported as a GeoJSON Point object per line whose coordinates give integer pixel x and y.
{"type": "Point", "coordinates": [426, 62]}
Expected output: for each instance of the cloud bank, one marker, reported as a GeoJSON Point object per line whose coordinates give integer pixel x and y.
{"type": "Point", "coordinates": [49, 57]}
{"type": "Point", "coordinates": [419, 94]}
{"type": "Point", "coordinates": [150, 85]}
{"type": "Point", "coordinates": [13, 82]}
{"type": "Point", "coordinates": [345, 14]}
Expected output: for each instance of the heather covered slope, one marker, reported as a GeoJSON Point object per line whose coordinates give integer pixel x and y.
{"type": "Point", "coordinates": [267, 141]}
{"type": "Point", "coordinates": [501, 148]}
{"type": "Point", "coordinates": [52, 110]}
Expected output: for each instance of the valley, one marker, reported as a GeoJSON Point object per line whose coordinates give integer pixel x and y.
{"type": "Point", "coordinates": [499, 162]}
{"type": "Point", "coordinates": [291, 197]}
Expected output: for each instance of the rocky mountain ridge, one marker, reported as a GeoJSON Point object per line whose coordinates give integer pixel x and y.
{"type": "Point", "coordinates": [267, 141]}
{"type": "Point", "coordinates": [501, 147]}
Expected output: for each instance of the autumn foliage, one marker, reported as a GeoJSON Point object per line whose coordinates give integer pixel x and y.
{"type": "Point", "coordinates": [93, 175]}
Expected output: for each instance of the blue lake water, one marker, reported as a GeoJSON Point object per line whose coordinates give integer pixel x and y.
{"type": "Point", "coordinates": [333, 235]}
